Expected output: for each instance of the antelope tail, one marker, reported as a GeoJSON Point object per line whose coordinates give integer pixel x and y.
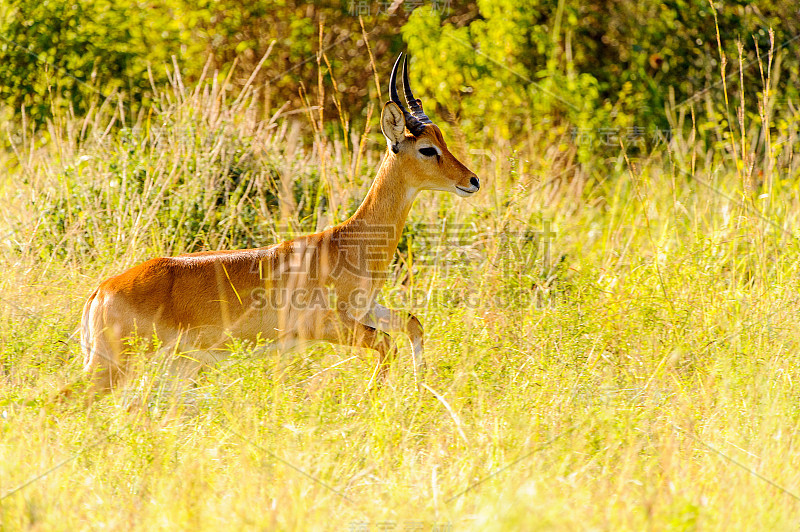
{"type": "Point", "coordinates": [87, 342]}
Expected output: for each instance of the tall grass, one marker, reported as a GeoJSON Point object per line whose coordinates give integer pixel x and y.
{"type": "Point", "coordinates": [636, 369]}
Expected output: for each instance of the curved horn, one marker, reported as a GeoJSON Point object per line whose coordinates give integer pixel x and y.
{"type": "Point", "coordinates": [414, 103]}
{"type": "Point", "coordinates": [412, 123]}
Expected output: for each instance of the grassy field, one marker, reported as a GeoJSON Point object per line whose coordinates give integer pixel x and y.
{"type": "Point", "coordinates": [612, 345]}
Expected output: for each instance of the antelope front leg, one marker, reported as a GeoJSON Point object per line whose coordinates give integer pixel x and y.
{"type": "Point", "coordinates": [341, 328]}
{"type": "Point", "coordinates": [394, 321]}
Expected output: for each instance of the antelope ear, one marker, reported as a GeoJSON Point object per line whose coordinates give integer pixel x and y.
{"type": "Point", "coordinates": [393, 125]}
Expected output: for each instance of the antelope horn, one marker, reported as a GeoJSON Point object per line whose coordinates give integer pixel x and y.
{"type": "Point", "coordinates": [414, 103]}
{"type": "Point", "coordinates": [414, 125]}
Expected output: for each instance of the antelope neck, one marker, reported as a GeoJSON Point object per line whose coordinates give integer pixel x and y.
{"type": "Point", "coordinates": [378, 223]}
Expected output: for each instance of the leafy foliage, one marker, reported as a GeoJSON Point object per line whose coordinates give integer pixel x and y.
{"type": "Point", "coordinates": [551, 65]}
{"type": "Point", "coordinates": [559, 68]}
{"type": "Point", "coordinates": [58, 52]}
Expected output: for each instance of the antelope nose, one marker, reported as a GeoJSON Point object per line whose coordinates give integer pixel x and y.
{"type": "Point", "coordinates": [475, 182]}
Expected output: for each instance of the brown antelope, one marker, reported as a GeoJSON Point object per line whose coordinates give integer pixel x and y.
{"type": "Point", "coordinates": [316, 287]}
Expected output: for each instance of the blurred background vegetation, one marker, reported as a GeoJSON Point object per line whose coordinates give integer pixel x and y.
{"type": "Point", "coordinates": [560, 68]}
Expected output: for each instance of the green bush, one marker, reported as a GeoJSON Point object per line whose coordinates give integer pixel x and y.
{"type": "Point", "coordinates": [60, 52]}
{"type": "Point", "coordinates": [587, 72]}
{"type": "Point", "coordinates": [561, 66]}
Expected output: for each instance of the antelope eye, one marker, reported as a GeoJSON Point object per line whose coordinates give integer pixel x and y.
{"type": "Point", "coordinates": [428, 152]}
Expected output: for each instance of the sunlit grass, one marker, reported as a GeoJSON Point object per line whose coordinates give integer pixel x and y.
{"type": "Point", "coordinates": [644, 375]}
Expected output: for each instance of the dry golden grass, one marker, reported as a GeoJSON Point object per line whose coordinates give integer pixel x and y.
{"type": "Point", "coordinates": [644, 376]}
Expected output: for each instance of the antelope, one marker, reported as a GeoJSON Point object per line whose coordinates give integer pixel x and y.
{"type": "Point", "coordinates": [318, 287]}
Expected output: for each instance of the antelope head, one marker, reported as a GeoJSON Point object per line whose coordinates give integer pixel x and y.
{"type": "Point", "coordinates": [418, 145]}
